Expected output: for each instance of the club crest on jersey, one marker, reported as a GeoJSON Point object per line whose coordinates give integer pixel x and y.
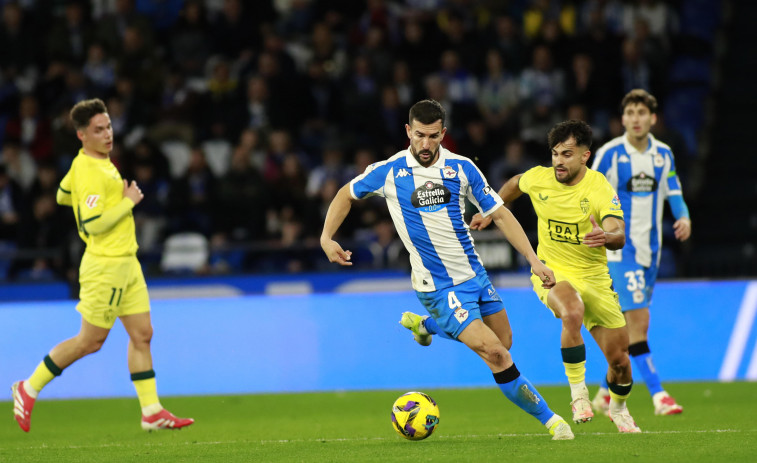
{"type": "Point", "coordinates": [430, 197]}
{"type": "Point", "coordinates": [642, 183]}
{"type": "Point", "coordinates": [623, 158]}
{"type": "Point", "coordinates": [449, 172]}
{"type": "Point", "coordinates": [659, 161]}
{"type": "Point", "coordinates": [584, 205]}
{"type": "Point", "coordinates": [91, 201]}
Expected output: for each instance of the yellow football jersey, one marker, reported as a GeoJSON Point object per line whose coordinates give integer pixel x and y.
{"type": "Point", "coordinates": [95, 186]}
{"type": "Point", "coordinates": [563, 213]}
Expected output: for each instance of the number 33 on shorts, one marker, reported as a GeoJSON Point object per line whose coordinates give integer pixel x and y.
{"type": "Point", "coordinates": [636, 284]}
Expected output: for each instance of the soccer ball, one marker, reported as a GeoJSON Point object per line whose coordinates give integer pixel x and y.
{"type": "Point", "coordinates": [415, 415]}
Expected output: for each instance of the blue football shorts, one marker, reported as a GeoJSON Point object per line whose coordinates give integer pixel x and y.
{"type": "Point", "coordinates": [454, 308]}
{"type": "Point", "coordinates": [633, 283]}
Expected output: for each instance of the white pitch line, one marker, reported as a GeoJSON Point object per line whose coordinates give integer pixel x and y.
{"type": "Point", "coordinates": [740, 335]}
{"type": "Point", "coordinates": [365, 439]}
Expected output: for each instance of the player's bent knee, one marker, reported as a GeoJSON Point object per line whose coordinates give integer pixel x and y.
{"type": "Point", "coordinates": [573, 318]}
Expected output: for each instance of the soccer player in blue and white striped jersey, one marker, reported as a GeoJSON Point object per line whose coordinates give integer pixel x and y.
{"type": "Point", "coordinates": [642, 171]}
{"type": "Point", "coordinates": [425, 187]}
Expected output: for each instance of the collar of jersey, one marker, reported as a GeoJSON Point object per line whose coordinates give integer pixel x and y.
{"type": "Point", "coordinates": [630, 148]}
{"type": "Point", "coordinates": [411, 162]}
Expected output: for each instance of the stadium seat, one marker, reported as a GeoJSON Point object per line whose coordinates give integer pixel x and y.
{"type": "Point", "coordinates": [185, 252]}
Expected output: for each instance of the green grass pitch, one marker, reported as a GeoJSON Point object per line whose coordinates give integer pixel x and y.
{"type": "Point", "coordinates": [477, 425]}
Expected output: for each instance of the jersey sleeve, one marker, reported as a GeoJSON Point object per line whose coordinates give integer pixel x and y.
{"type": "Point", "coordinates": [603, 163]}
{"type": "Point", "coordinates": [90, 191]}
{"type": "Point", "coordinates": [609, 203]}
{"type": "Point", "coordinates": [672, 183]}
{"type": "Point", "coordinates": [674, 192]}
{"type": "Point", "coordinates": [63, 196]}
{"type": "Point", "coordinates": [371, 182]}
{"type": "Point", "coordinates": [525, 182]}
{"type": "Point", "coordinates": [479, 192]}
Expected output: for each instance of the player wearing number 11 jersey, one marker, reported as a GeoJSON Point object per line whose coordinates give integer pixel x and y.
{"type": "Point", "coordinates": [112, 284]}
{"type": "Point", "coordinates": [425, 187]}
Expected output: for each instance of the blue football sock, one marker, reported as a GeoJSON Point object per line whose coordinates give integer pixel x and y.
{"type": "Point", "coordinates": [642, 358]}
{"type": "Point", "coordinates": [522, 393]}
{"type": "Point", "coordinates": [433, 328]}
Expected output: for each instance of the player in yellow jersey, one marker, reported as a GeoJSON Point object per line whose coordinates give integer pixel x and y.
{"type": "Point", "coordinates": [112, 284]}
{"type": "Point", "coordinates": [571, 201]}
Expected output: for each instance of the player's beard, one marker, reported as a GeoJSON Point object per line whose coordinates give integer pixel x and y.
{"type": "Point", "coordinates": [569, 176]}
{"type": "Point", "coordinates": [417, 156]}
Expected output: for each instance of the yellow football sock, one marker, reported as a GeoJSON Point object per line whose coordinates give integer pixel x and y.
{"type": "Point", "coordinates": [44, 373]}
{"type": "Point", "coordinates": [147, 389]}
{"type": "Point", "coordinates": [576, 372]}
{"type": "Point", "coordinates": [620, 398]}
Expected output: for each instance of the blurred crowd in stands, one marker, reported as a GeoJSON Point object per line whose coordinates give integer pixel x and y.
{"type": "Point", "coordinates": [241, 119]}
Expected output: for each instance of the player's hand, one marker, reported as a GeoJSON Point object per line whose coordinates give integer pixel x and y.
{"type": "Point", "coordinates": [335, 253]}
{"type": "Point", "coordinates": [545, 274]}
{"type": "Point", "coordinates": [596, 237]}
{"type": "Point", "coordinates": [682, 228]}
{"type": "Point", "coordinates": [479, 222]}
{"type": "Point", "coordinates": [133, 192]}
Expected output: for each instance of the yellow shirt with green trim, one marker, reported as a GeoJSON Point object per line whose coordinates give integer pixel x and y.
{"type": "Point", "coordinates": [563, 213]}
{"type": "Point", "coordinates": [95, 187]}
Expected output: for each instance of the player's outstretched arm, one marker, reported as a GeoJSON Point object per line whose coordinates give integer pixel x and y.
{"type": "Point", "coordinates": [338, 209]}
{"type": "Point", "coordinates": [509, 193]}
{"type": "Point", "coordinates": [511, 228]}
{"type": "Point", "coordinates": [611, 235]}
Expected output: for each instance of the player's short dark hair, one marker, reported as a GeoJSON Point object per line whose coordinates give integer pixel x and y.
{"type": "Point", "coordinates": [579, 130]}
{"type": "Point", "coordinates": [85, 110]}
{"type": "Point", "coordinates": [639, 95]}
{"type": "Point", "coordinates": [427, 112]}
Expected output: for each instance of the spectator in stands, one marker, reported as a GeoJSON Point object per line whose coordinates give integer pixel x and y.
{"type": "Point", "coordinates": [32, 129]}
{"type": "Point", "coordinates": [498, 96]}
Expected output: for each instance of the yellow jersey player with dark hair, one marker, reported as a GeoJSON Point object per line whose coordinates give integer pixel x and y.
{"type": "Point", "coordinates": [111, 279]}
{"type": "Point", "coordinates": [579, 218]}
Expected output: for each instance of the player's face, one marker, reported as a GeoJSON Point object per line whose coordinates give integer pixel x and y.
{"type": "Point", "coordinates": [569, 161]}
{"type": "Point", "coordinates": [425, 140]}
{"type": "Point", "coordinates": [638, 120]}
{"type": "Point", "coordinates": [97, 138]}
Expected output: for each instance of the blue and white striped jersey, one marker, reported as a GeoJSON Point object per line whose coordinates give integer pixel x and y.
{"type": "Point", "coordinates": [427, 205]}
{"type": "Point", "coordinates": [643, 181]}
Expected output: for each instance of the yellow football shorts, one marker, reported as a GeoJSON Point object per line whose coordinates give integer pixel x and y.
{"type": "Point", "coordinates": [110, 288]}
{"type": "Point", "coordinates": [601, 306]}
